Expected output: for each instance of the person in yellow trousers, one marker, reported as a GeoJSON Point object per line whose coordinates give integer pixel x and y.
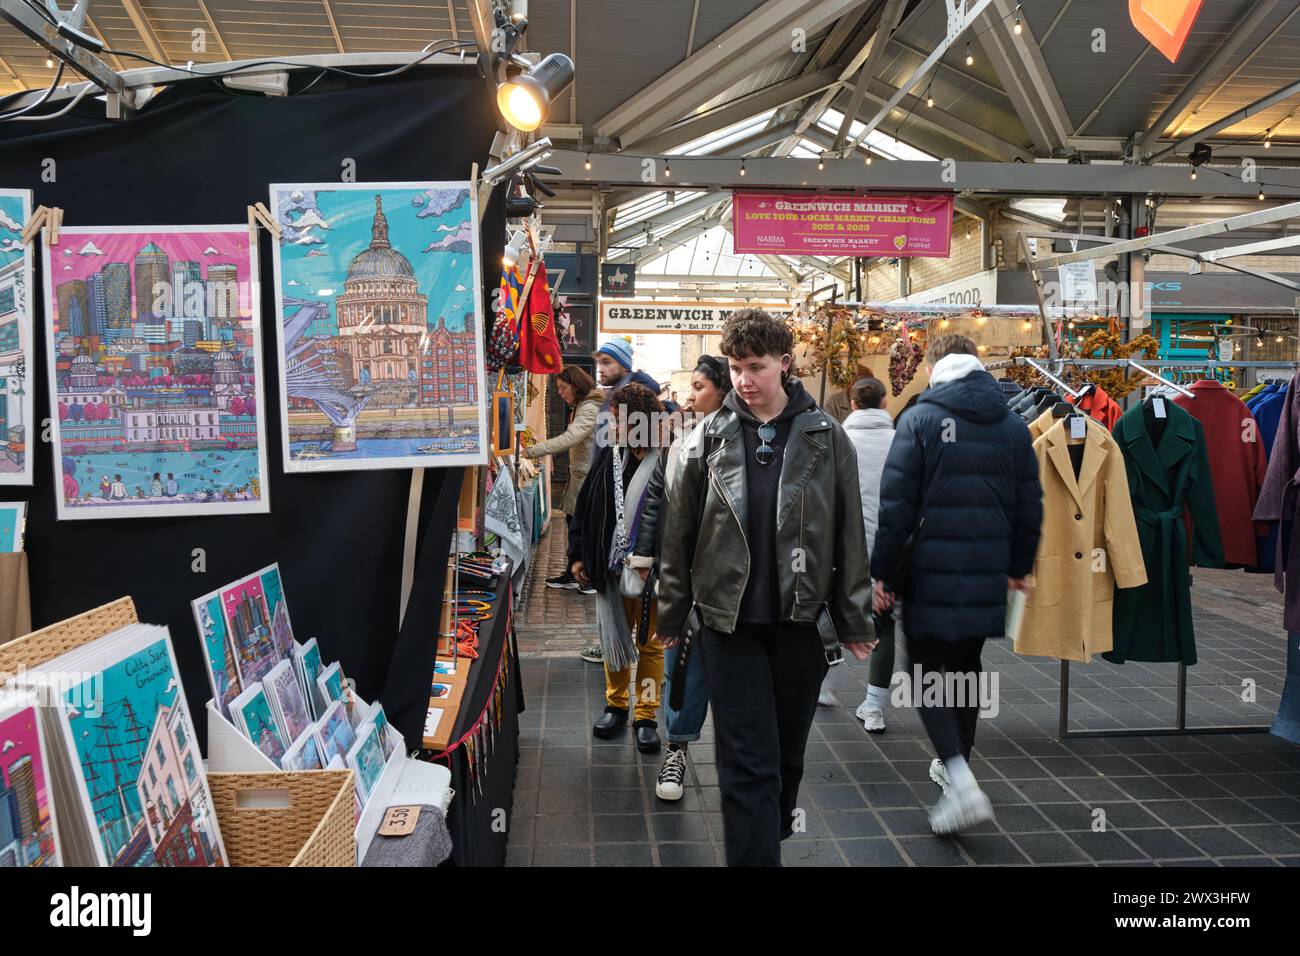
{"type": "Point", "coordinates": [605, 525]}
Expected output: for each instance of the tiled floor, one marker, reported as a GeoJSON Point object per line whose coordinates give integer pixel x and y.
{"type": "Point", "coordinates": [1201, 800]}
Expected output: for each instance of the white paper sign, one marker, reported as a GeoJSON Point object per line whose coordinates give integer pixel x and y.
{"type": "Point", "coordinates": [1078, 282]}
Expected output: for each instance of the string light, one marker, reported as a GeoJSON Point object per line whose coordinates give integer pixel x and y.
{"type": "Point", "coordinates": [1018, 28]}
{"type": "Point", "coordinates": [668, 169]}
{"type": "Point", "coordinates": [742, 167]}
{"type": "Point", "coordinates": [868, 159]}
{"type": "Point", "coordinates": [970, 57]}
{"type": "Point", "coordinates": [929, 100]}
{"type": "Point", "coordinates": [1261, 195]}
{"type": "Point", "coordinates": [1193, 174]}
{"type": "Point", "coordinates": [1268, 140]}
{"type": "Point", "coordinates": [821, 162]}
{"type": "Point", "coordinates": [587, 165]}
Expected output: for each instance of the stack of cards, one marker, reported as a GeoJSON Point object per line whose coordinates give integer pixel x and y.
{"type": "Point", "coordinates": [124, 767]}
{"type": "Point", "coordinates": [28, 834]}
{"type": "Point", "coordinates": [13, 525]}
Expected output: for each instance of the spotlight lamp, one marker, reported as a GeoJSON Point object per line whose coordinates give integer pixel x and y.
{"type": "Point", "coordinates": [514, 249]}
{"type": "Point", "coordinates": [519, 9]}
{"type": "Point", "coordinates": [525, 99]}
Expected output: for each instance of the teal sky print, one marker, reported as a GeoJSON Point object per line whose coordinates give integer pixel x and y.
{"type": "Point", "coordinates": [314, 260]}
{"type": "Point", "coordinates": [272, 591]}
{"type": "Point", "coordinates": [11, 229]}
{"type": "Point", "coordinates": [110, 744]}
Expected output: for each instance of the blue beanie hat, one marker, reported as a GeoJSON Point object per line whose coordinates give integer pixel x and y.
{"type": "Point", "coordinates": [619, 351]}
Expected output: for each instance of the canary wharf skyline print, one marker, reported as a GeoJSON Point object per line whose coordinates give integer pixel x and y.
{"type": "Point", "coordinates": [155, 371]}
{"type": "Point", "coordinates": [379, 308]}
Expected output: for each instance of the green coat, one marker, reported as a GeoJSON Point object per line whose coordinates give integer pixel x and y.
{"type": "Point", "coordinates": [1168, 483]}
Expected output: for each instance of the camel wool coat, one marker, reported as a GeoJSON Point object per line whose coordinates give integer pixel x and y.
{"type": "Point", "coordinates": [1089, 546]}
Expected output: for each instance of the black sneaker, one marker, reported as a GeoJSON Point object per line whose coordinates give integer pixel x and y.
{"type": "Point", "coordinates": [566, 581]}
{"type": "Point", "coordinates": [585, 588]}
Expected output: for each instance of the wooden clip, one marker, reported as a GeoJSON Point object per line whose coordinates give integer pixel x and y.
{"type": "Point", "coordinates": [259, 215]}
{"type": "Point", "coordinates": [48, 218]}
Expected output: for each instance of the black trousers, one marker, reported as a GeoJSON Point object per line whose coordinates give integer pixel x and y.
{"type": "Point", "coordinates": [951, 727]}
{"type": "Point", "coordinates": [763, 683]}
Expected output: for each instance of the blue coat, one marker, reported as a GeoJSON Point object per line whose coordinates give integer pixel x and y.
{"type": "Point", "coordinates": [964, 464]}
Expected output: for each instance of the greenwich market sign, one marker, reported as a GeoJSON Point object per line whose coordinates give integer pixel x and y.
{"type": "Point", "coordinates": [647, 316]}
{"type": "Point", "coordinates": [809, 224]}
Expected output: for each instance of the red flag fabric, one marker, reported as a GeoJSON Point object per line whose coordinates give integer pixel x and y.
{"type": "Point", "coordinates": [539, 346]}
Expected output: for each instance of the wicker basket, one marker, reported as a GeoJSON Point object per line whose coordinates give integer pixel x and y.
{"type": "Point", "coordinates": [49, 642]}
{"type": "Point", "coordinates": [315, 829]}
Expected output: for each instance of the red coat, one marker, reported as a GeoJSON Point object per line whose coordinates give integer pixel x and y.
{"type": "Point", "coordinates": [1100, 407]}
{"type": "Point", "coordinates": [1237, 464]}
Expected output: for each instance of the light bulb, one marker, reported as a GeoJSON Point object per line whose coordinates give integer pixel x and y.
{"type": "Point", "coordinates": [668, 170]}
{"type": "Point", "coordinates": [1018, 28]}
{"type": "Point", "coordinates": [587, 165]}
{"type": "Point", "coordinates": [929, 100]}
{"type": "Point", "coordinates": [1268, 140]}
{"type": "Point", "coordinates": [970, 57]}
{"type": "Point", "coordinates": [1279, 340]}
{"type": "Point", "coordinates": [1261, 195]}
{"type": "Point", "coordinates": [821, 162]}
{"type": "Point", "coordinates": [49, 63]}
{"type": "Point", "coordinates": [868, 160]}
{"type": "Point", "coordinates": [1193, 175]}
{"type": "Point", "coordinates": [742, 167]}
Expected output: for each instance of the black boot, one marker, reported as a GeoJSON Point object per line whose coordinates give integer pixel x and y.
{"type": "Point", "coordinates": [611, 722]}
{"type": "Point", "coordinates": [647, 737]}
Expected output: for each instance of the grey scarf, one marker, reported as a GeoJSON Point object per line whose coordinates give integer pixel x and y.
{"type": "Point", "coordinates": [616, 638]}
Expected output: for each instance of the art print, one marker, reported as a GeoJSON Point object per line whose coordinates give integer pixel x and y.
{"type": "Point", "coordinates": [304, 754]}
{"type": "Point", "coordinates": [366, 758]}
{"type": "Point", "coordinates": [139, 768]}
{"type": "Point", "coordinates": [17, 363]}
{"type": "Point", "coordinates": [155, 372]}
{"type": "Point", "coordinates": [255, 618]}
{"type": "Point", "coordinates": [309, 668]}
{"type": "Point", "coordinates": [223, 675]}
{"type": "Point", "coordinates": [334, 733]}
{"type": "Point", "coordinates": [254, 716]}
{"type": "Point", "coordinates": [379, 309]}
{"type": "Point", "coordinates": [286, 697]}
{"type": "Point", "coordinates": [377, 717]}
{"type": "Point", "coordinates": [27, 819]}
{"type": "Point", "coordinates": [13, 526]}
{"type": "Point", "coordinates": [330, 683]}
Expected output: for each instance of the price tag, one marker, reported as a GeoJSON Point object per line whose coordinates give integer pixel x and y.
{"type": "Point", "coordinates": [1078, 427]}
{"type": "Point", "coordinates": [399, 821]}
{"type": "Point", "coordinates": [1158, 406]}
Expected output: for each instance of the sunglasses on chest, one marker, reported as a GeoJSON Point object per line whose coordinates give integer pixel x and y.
{"type": "Point", "coordinates": [765, 454]}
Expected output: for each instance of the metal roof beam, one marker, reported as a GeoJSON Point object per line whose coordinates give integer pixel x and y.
{"type": "Point", "coordinates": [675, 212]}
{"type": "Point", "coordinates": [623, 170]}
{"type": "Point", "coordinates": [1024, 75]}
{"type": "Point", "coordinates": [334, 27]}
{"type": "Point", "coordinates": [772, 97]}
{"type": "Point", "coordinates": [1219, 226]}
{"type": "Point", "coordinates": [699, 78]}
{"type": "Point", "coordinates": [959, 18]}
{"type": "Point", "coordinates": [1232, 119]}
{"type": "Point", "coordinates": [1244, 28]}
{"type": "Point", "coordinates": [212, 25]}
{"type": "Point", "coordinates": [1251, 248]}
{"type": "Point", "coordinates": [947, 124]}
{"type": "Point", "coordinates": [870, 67]}
{"type": "Point", "coordinates": [145, 29]}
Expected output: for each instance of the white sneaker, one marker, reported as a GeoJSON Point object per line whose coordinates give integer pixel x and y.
{"type": "Point", "coordinates": [669, 784]}
{"type": "Point", "coordinates": [939, 774]}
{"type": "Point", "coordinates": [960, 809]}
{"type": "Point", "coordinates": [826, 697]}
{"type": "Point", "coordinates": [873, 718]}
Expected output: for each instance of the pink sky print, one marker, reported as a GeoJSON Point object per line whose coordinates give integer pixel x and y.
{"type": "Point", "coordinates": [20, 730]}
{"type": "Point", "coordinates": [233, 595]}
{"type": "Point", "coordinates": [82, 254]}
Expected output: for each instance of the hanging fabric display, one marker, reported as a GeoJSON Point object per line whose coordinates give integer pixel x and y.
{"type": "Point", "coordinates": [1089, 543]}
{"type": "Point", "coordinates": [1278, 504]}
{"type": "Point", "coordinates": [539, 346]}
{"type": "Point", "coordinates": [1237, 467]}
{"type": "Point", "coordinates": [1168, 475]}
{"type": "Point", "coordinates": [503, 344]}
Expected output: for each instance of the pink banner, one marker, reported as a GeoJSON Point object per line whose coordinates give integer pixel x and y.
{"type": "Point", "coordinates": [799, 223]}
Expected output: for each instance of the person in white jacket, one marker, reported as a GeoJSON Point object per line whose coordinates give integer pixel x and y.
{"type": "Point", "coordinates": [871, 430]}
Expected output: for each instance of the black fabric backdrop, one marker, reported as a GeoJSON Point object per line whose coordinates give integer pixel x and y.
{"type": "Point", "coordinates": [198, 155]}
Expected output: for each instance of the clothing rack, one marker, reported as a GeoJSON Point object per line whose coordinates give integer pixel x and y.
{"type": "Point", "coordinates": [1180, 728]}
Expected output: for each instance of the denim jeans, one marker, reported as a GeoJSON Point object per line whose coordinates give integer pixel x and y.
{"type": "Point", "coordinates": [1287, 724]}
{"type": "Point", "coordinates": [684, 725]}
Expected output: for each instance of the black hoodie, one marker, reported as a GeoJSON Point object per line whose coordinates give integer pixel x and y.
{"type": "Point", "coordinates": [761, 603]}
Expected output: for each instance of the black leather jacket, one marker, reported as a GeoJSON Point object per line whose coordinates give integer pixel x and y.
{"type": "Point", "coordinates": [704, 557]}
{"type": "Point", "coordinates": [645, 551]}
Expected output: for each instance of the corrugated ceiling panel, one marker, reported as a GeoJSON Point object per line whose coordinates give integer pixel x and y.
{"type": "Point", "coordinates": [718, 16]}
